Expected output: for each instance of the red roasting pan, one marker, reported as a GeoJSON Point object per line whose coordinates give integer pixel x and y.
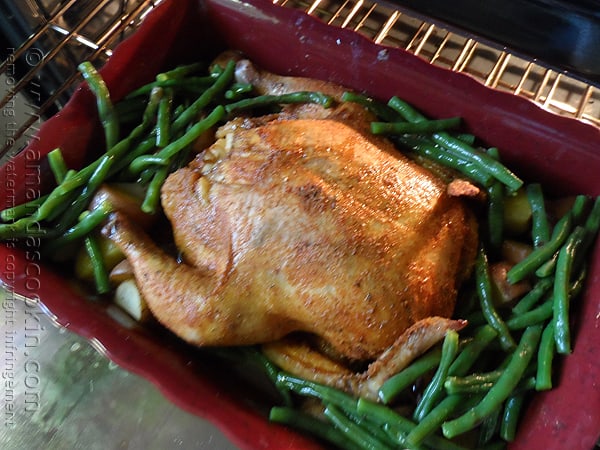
{"type": "Point", "coordinates": [561, 153]}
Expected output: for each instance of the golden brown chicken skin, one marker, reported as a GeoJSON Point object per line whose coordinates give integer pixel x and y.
{"type": "Point", "coordinates": [303, 225]}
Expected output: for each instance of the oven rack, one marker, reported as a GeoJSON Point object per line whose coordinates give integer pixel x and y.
{"type": "Point", "coordinates": [39, 74]}
{"type": "Point", "coordinates": [496, 67]}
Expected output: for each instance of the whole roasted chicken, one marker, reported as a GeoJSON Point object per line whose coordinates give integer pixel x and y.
{"type": "Point", "coordinates": [305, 222]}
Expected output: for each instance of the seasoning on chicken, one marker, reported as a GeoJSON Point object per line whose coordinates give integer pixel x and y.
{"type": "Point", "coordinates": [291, 223]}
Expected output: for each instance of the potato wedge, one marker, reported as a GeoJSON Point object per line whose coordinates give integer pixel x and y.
{"type": "Point", "coordinates": [130, 299]}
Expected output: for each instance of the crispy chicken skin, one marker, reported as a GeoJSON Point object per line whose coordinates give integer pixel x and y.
{"type": "Point", "coordinates": [303, 225]}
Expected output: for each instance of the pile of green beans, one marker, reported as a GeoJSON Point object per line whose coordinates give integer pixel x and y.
{"type": "Point", "coordinates": [471, 388]}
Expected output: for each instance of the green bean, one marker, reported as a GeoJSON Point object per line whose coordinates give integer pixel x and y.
{"type": "Point", "coordinates": [99, 268]}
{"type": "Point", "coordinates": [382, 414]}
{"type": "Point", "coordinates": [407, 376]}
{"type": "Point", "coordinates": [106, 110]}
{"type": "Point", "coordinates": [268, 100]}
{"type": "Point", "coordinates": [490, 165]}
{"type": "Point", "coordinates": [81, 177]}
{"type": "Point", "coordinates": [503, 388]}
{"type": "Point", "coordinates": [541, 254]}
{"type": "Point", "coordinates": [398, 437]}
{"type": "Point", "coordinates": [19, 211]}
{"type": "Point", "coordinates": [540, 227]}
{"type": "Point", "coordinates": [424, 126]}
{"type": "Point", "coordinates": [60, 196]}
{"type": "Point", "coordinates": [191, 113]}
{"type": "Point", "coordinates": [510, 417]}
{"type": "Point", "coordinates": [25, 215]}
{"type": "Point", "coordinates": [592, 223]}
{"type": "Point", "coordinates": [125, 153]}
{"type": "Point", "coordinates": [163, 120]}
{"type": "Point", "coordinates": [408, 112]}
{"type": "Point", "coordinates": [152, 103]}
{"type": "Point", "coordinates": [309, 388]}
{"type": "Point", "coordinates": [372, 423]}
{"type": "Point", "coordinates": [94, 182]}
{"type": "Point", "coordinates": [486, 297]}
{"type": "Point", "coordinates": [488, 428]}
{"type": "Point", "coordinates": [429, 150]}
{"type": "Point", "coordinates": [579, 282]}
{"type": "Point", "coordinates": [579, 208]}
{"type": "Point", "coordinates": [561, 291]}
{"type": "Point", "coordinates": [400, 426]}
{"type": "Point", "coordinates": [192, 134]}
{"type": "Point", "coordinates": [82, 200]}
{"type": "Point", "coordinates": [432, 421]}
{"type": "Point", "coordinates": [372, 428]}
{"type": "Point", "coordinates": [57, 199]}
{"type": "Point", "coordinates": [141, 149]}
{"type": "Point", "coordinates": [68, 201]}
{"type": "Point", "coordinates": [533, 296]}
{"type": "Point", "coordinates": [532, 317]}
{"type": "Point", "coordinates": [88, 223]}
{"type": "Point", "coordinates": [57, 165]}
{"type": "Point", "coordinates": [70, 205]}
{"type": "Point", "coordinates": [47, 207]}
{"type": "Point", "coordinates": [381, 110]}
{"type": "Point", "coordinates": [151, 201]}
{"type": "Point", "coordinates": [190, 84]}
{"type": "Point", "coordinates": [543, 379]}
{"type": "Point", "coordinates": [143, 162]}
{"type": "Point", "coordinates": [496, 215]}
{"type": "Point", "coordinates": [313, 426]}
{"type": "Point", "coordinates": [238, 90]}
{"type": "Point", "coordinates": [22, 228]}
{"type": "Point", "coordinates": [435, 388]}
{"type": "Point", "coordinates": [591, 226]}
{"type": "Point", "coordinates": [548, 268]}
{"type": "Point", "coordinates": [164, 156]}
{"type": "Point", "coordinates": [487, 163]}
{"type": "Point", "coordinates": [354, 432]}
{"type": "Point", "coordinates": [483, 336]}
{"type": "Point", "coordinates": [180, 71]}
{"type": "Point", "coordinates": [474, 383]}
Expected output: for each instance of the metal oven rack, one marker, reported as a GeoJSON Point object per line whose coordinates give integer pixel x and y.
{"type": "Point", "coordinates": [494, 66]}
{"type": "Point", "coordinates": [40, 71]}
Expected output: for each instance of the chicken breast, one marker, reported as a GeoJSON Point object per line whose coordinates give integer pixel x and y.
{"type": "Point", "coordinates": [303, 225]}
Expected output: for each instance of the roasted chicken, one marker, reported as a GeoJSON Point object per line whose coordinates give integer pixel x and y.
{"type": "Point", "coordinates": [305, 222]}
